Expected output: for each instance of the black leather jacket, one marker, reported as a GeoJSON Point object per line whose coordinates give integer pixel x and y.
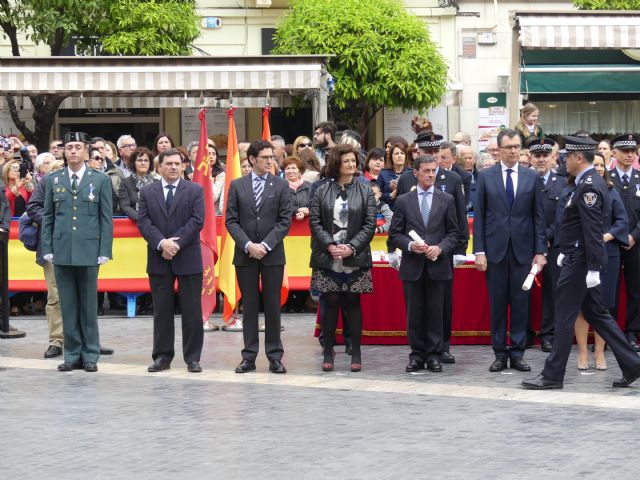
{"type": "Point", "coordinates": [360, 226]}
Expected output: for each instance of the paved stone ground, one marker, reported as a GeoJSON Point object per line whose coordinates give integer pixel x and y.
{"type": "Point", "coordinates": [382, 423]}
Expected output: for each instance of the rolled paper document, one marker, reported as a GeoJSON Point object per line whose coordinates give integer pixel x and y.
{"type": "Point", "coordinates": [416, 238]}
{"type": "Point", "coordinates": [529, 280]}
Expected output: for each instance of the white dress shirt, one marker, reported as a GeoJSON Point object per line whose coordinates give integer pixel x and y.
{"type": "Point", "coordinates": [514, 177]}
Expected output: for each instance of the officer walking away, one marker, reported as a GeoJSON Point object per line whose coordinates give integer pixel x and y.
{"type": "Point", "coordinates": [77, 233]}
{"type": "Point", "coordinates": [581, 257]}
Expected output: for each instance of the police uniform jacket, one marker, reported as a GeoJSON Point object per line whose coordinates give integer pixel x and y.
{"type": "Point", "coordinates": [550, 196]}
{"type": "Point", "coordinates": [631, 199]}
{"type": "Point", "coordinates": [77, 228]}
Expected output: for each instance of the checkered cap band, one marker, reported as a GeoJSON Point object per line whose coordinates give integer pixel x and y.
{"type": "Point", "coordinates": [579, 148]}
{"type": "Point", "coordinates": [540, 148]}
{"type": "Point", "coordinates": [434, 144]}
{"type": "Point", "coordinates": [625, 144]}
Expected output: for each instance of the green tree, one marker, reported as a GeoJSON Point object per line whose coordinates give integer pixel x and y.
{"type": "Point", "coordinates": [115, 27]}
{"type": "Point", "coordinates": [607, 4]}
{"type": "Point", "coordinates": [384, 56]}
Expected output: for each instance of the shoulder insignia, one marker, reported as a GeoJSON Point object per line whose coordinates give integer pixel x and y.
{"type": "Point", "coordinates": [590, 198]}
{"type": "Point", "coordinates": [55, 180]}
{"type": "Point", "coordinates": [553, 179]}
{"type": "Point", "coordinates": [442, 176]}
{"type": "Point", "coordinates": [613, 174]}
{"type": "Point", "coordinates": [413, 188]}
{"type": "Point", "coordinates": [588, 180]}
{"type": "Point", "coordinates": [635, 175]}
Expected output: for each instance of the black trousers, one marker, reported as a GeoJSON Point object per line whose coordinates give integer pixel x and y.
{"type": "Point", "coordinates": [189, 291]}
{"type": "Point", "coordinates": [504, 282]}
{"type": "Point", "coordinates": [249, 282]}
{"type": "Point", "coordinates": [425, 300]}
{"type": "Point", "coordinates": [549, 279]}
{"type": "Point", "coordinates": [573, 296]}
{"type": "Point", "coordinates": [630, 261]}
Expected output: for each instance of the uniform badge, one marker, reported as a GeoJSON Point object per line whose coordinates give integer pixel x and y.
{"type": "Point", "coordinates": [590, 199]}
{"type": "Point", "coordinates": [553, 179]}
{"type": "Point", "coordinates": [63, 189]}
{"type": "Point", "coordinates": [55, 180]}
{"type": "Point", "coordinates": [635, 175]}
{"type": "Point", "coordinates": [613, 174]}
{"type": "Point", "coordinates": [442, 176]}
{"type": "Point", "coordinates": [91, 196]}
{"type": "Point", "coordinates": [588, 180]}
{"type": "Point", "coordinates": [443, 188]}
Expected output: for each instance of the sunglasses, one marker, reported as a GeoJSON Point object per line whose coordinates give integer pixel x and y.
{"type": "Point", "coordinates": [304, 145]}
{"type": "Point", "coordinates": [97, 159]}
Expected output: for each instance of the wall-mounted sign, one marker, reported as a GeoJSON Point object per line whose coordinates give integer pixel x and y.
{"type": "Point", "coordinates": [492, 116]}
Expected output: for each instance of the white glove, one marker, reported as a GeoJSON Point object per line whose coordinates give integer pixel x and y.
{"type": "Point", "coordinates": [593, 278]}
{"type": "Point", "coordinates": [394, 260]}
{"type": "Point", "coordinates": [102, 260]}
{"type": "Point", "coordinates": [48, 257]}
{"type": "Point", "coordinates": [560, 259]}
{"type": "Point", "coordinates": [459, 260]}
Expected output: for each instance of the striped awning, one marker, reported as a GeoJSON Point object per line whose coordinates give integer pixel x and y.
{"type": "Point", "coordinates": [549, 30]}
{"type": "Point", "coordinates": [160, 76]}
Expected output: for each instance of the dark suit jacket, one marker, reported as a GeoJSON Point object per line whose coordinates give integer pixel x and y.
{"type": "Point", "coordinates": [442, 230]}
{"type": "Point", "coordinates": [269, 224]}
{"type": "Point", "coordinates": [35, 207]}
{"type": "Point", "coordinates": [495, 226]}
{"type": "Point", "coordinates": [630, 198]}
{"type": "Point", "coordinates": [448, 182]}
{"type": "Point", "coordinates": [184, 220]}
{"type": "Point", "coordinates": [5, 209]}
{"type": "Point", "coordinates": [466, 178]}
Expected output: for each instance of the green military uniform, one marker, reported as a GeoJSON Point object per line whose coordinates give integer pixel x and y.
{"type": "Point", "coordinates": [77, 228]}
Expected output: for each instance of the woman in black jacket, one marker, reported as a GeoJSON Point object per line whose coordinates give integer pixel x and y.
{"type": "Point", "coordinates": [342, 219]}
{"type": "Point", "coordinates": [139, 163]}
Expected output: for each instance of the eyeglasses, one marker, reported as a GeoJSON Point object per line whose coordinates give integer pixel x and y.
{"type": "Point", "coordinates": [59, 145]}
{"type": "Point", "coordinates": [266, 157]}
{"type": "Point", "coordinates": [96, 158]}
{"type": "Point", "coordinates": [142, 160]}
{"type": "Point", "coordinates": [305, 145]}
{"type": "Point", "coordinates": [511, 147]}
{"type": "Point", "coordinates": [129, 145]}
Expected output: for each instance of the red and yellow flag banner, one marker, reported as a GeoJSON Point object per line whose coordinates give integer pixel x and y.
{"type": "Point", "coordinates": [227, 270]}
{"type": "Point", "coordinates": [208, 240]}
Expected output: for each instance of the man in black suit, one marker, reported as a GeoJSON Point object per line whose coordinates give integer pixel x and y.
{"type": "Point", "coordinates": [258, 217]}
{"type": "Point", "coordinates": [627, 181]}
{"type": "Point", "coordinates": [447, 161]}
{"type": "Point", "coordinates": [426, 267]}
{"type": "Point", "coordinates": [551, 185]}
{"type": "Point", "coordinates": [508, 237]}
{"type": "Point", "coordinates": [171, 216]}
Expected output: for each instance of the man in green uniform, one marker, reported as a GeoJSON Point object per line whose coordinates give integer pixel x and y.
{"type": "Point", "coordinates": [77, 233]}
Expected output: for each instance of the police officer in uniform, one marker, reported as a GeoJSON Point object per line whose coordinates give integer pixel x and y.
{"type": "Point", "coordinates": [581, 257]}
{"type": "Point", "coordinates": [77, 233]}
{"type": "Point", "coordinates": [626, 179]}
{"type": "Point", "coordinates": [551, 186]}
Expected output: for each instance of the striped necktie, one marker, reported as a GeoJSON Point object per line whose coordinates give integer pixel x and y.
{"type": "Point", "coordinates": [425, 209]}
{"type": "Point", "coordinates": [258, 189]}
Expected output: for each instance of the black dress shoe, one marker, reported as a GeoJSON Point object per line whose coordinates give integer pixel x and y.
{"type": "Point", "coordinates": [90, 367]}
{"type": "Point", "coordinates": [633, 341]}
{"type": "Point", "coordinates": [546, 345]}
{"type": "Point", "coordinates": [519, 364]}
{"type": "Point", "coordinates": [446, 357]}
{"type": "Point", "coordinates": [499, 364]}
{"type": "Point", "coordinates": [194, 367]}
{"type": "Point", "coordinates": [628, 378]}
{"type": "Point", "coordinates": [53, 351]}
{"type": "Point", "coordinates": [276, 366]}
{"type": "Point", "coordinates": [434, 366]}
{"type": "Point", "coordinates": [106, 350]}
{"type": "Point", "coordinates": [68, 366]}
{"type": "Point", "coordinates": [159, 364]}
{"type": "Point", "coordinates": [541, 383]}
{"type": "Point", "coordinates": [100, 311]}
{"type": "Point", "coordinates": [414, 366]}
{"type": "Point", "coordinates": [246, 366]}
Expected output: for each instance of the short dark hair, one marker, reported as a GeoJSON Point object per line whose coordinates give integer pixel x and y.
{"type": "Point", "coordinates": [388, 163]}
{"type": "Point", "coordinates": [424, 159]}
{"type": "Point", "coordinates": [97, 139]}
{"type": "Point", "coordinates": [139, 151]}
{"type": "Point", "coordinates": [158, 137]}
{"type": "Point", "coordinates": [93, 149]}
{"type": "Point", "coordinates": [507, 132]}
{"type": "Point", "coordinates": [334, 160]}
{"type": "Point", "coordinates": [449, 146]}
{"type": "Point", "coordinates": [327, 127]}
{"type": "Point", "coordinates": [588, 155]}
{"type": "Point", "coordinates": [169, 153]}
{"type": "Point", "coordinates": [256, 147]}
{"type": "Point", "coordinates": [373, 154]}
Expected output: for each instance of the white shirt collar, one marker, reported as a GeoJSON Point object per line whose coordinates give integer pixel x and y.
{"type": "Point", "coordinates": [505, 168]}
{"type": "Point", "coordinates": [165, 183]}
{"type": "Point", "coordinates": [79, 173]}
{"type": "Point", "coordinates": [623, 172]}
{"type": "Point", "coordinates": [421, 190]}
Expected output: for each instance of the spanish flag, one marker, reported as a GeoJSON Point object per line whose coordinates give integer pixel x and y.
{"type": "Point", "coordinates": [227, 270]}
{"type": "Point", "coordinates": [208, 235]}
{"type": "Point", "coordinates": [266, 135]}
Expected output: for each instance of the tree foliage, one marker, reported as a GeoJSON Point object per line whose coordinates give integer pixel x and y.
{"type": "Point", "coordinates": [114, 27]}
{"type": "Point", "coordinates": [384, 56]}
{"type": "Point", "coordinates": [607, 4]}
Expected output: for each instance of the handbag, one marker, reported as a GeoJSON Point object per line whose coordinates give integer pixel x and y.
{"type": "Point", "coordinates": [28, 232]}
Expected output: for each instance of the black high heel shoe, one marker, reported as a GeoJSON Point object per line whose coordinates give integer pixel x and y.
{"type": "Point", "coordinates": [327, 365]}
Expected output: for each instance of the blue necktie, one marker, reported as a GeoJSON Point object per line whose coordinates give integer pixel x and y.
{"type": "Point", "coordinates": [169, 199]}
{"type": "Point", "coordinates": [424, 208]}
{"type": "Point", "coordinates": [509, 188]}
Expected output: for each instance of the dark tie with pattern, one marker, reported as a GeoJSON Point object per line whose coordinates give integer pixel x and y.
{"type": "Point", "coordinates": [169, 199]}
{"type": "Point", "coordinates": [424, 208]}
{"type": "Point", "coordinates": [509, 188]}
{"type": "Point", "coordinates": [625, 181]}
{"type": "Point", "coordinates": [258, 188]}
{"type": "Point", "coordinates": [74, 183]}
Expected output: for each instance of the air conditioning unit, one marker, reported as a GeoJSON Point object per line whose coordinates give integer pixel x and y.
{"type": "Point", "coordinates": [263, 3]}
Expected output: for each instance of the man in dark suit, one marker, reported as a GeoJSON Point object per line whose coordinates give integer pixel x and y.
{"type": "Point", "coordinates": [508, 236]}
{"type": "Point", "coordinates": [551, 185]}
{"type": "Point", "coordinates": [448, 182]}
{"type": "Point", "coordinates": [447, 161]}
{"type": "Point", "coordinates": [626, 179]}
{"type": "Point", "coordinates": [77, 234]}
{"type": "Point", "coordinates": [258, 217]}
{"type": "Point", "coordinates": [171, 215]}
{"type": "Point", "coordinates": [426, 267]}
